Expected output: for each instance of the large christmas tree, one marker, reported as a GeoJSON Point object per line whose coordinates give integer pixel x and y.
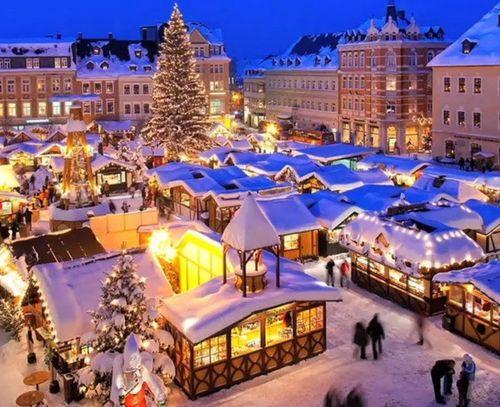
{"type": "Point", "coordinates": [123, 310]}
{"type": "Point", "coordinates": [179, 120]}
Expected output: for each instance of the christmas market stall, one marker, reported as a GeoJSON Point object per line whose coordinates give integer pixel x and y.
{"type": "Point", "coordinates": [10, 198]}
{"type": "Point", "coordinates": [222, 338]}
{"type": "Point", "coordinates": [396, 257]}
{"type": "Point", "coordinates": [403, 171]}
{"type": "Point", "coordinates": [473, 303]}
{"type": "Point", "coordinates": [117, 174]}
{"type": "Point", "coordinates": [338, 153]}
{"type": "Point", "coordinates": [65, 319]}
{"type": "Point", "coordinates": [488, 234]}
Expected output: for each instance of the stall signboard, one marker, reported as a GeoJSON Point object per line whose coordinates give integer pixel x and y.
{"type": "Point", "coordinates": [5, 208]}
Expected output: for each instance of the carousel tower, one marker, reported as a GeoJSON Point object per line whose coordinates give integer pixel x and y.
{"type": "Point", "coordinates": [78, 187]}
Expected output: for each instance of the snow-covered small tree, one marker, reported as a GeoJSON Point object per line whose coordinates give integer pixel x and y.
{"type": "Point", "coordinates": [123, 150]}
{"type": "Point", "coordinates": [123, 310]}
{"type": "Point", "coordinates": [427, 141]}
{"type": "Point", "coordinates": [11, 318]}
{"type": "Point", "coordinates": [179, 120]}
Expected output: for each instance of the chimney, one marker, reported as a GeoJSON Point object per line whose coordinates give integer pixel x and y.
{"type": "Point", "coordinates": [110, 36]}
{"type": "Point", "coordinates": [58, 36]}
{"type": "Point", "coordinates": [80, 36]}
{"type": "Point", "coordinates": [144, 34]}
{"type": "Point", "coordinates": [402, 14]}
{"type": "Point", "coordinates": [391, 11]}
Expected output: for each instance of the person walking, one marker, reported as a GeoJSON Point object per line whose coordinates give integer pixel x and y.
{"type": "Point", "coordinates": [125, 207]}
{"type": "Point", "coordinates": [14, 229]}
{"type": "Point", "coordinates": [106, 188]}
{"type": "Point", "coordinates": [469, 369]}
{"type": "Point", "coordinates": [344, 272]}
{"type": "Point", "coordinates": [32, 181]}
{"type": "Point", "coordinates": [143, 194]}
{"type": "Point", "coordinates": [461, 163]}
{"type": "Point", "coordinates": [360, 338]}
{"type": "Point", "coordinates": [442, 369]}
{"type": "Point", "coordinates": [4, 231]}
{"type": "Point", "coordinates": [375, 331]}
{"type": "Point", "coordinates": [330, 277]}
{"type": "Point", "coordinates": [463, 389]}
{"type": "Point", "coordinates": [420, 327]}
{"type": "Point", "coordinates": [467, 164]}
{"type": "Point", "coordinates": [112, 206]}
{"type": "Point", "coordinates": [28, 217]}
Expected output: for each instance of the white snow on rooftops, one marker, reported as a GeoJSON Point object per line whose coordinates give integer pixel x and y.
{"type": "Point", "coordinates": [394, 165]}
{"type": "Point", "coordinates": [423, 245]}
{"type": "Point", "coordinates": [213, 306]}
{"type": "Point", "coordinates": [459, 190]}
{"type": "Point", "coordinates": [485, 34]}
{"type": "Point", "coordinates": [250, 229]}
{"type": "Point", "coordinates": [332, 152]}
{"type": "Point", "coordinates": [490, 214]}
{"type": "Point", "coordinates": [485, 277]}
{"type": "Point", "coordinates": [81, 280]}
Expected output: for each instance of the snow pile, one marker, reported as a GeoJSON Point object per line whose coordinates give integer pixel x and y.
{"type": "Point", "coordinates": [213, 306]}
{"type": "Point", "coordinates": [80, 281]}
{"type": "Point", "coordinates": [76, 214]}
{"type": "Point", "coordinates": [393, 165]}
{"type": "Point", "coordinates": [459, 190]}
{"type": "Point", "coordinates": [407, 244]}
{"type": "Point", "coordinates": [490, 214]}
{"type": "Point", "coordinates": [485, 277]}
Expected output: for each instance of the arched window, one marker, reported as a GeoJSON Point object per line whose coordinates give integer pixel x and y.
{"type": "Point", "coordinates": [390, 59]}
{"type": "Point", "coordinates": [449, 148]}
{"type": "Point", "coordinates": [349, 59]}
{"type": "Point", "coordinates": [362, 82]}
{"type": "Point", "coordinates": [413, 58]}
{"type": "Point", "coordinates": [356, 82]}
{"type": "Point", "coordinates": [362, 59]}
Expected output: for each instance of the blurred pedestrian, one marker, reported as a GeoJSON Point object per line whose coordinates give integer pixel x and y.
{"type": "Point", "coordinates": [330, 276]}
{"type": "Point", "coordinates": [442, 369]}
{"type": "Point", "coordinates": [125, 207]}
{"type": "Point", "coordinates": [375, 331]}
{"type": "Point", "coordinates": [28, 217]}
{"type": "Point", "coordinates": [344, 274]}
{"type": "Point", "coordinates": [360, 339]}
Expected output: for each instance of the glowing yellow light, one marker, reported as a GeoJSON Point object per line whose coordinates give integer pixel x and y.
{"type": "Point", "coordinates": [161, 245]}
{"type": "Point", "coordinates": [272, 129]}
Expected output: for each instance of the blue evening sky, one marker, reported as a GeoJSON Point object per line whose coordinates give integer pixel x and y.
{"type": "Point", "coordinates": [251, 28]}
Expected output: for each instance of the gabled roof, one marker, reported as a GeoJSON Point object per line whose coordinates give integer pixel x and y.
{"type": "Point", "coordinates": [459, 190]}
{"type": "Point", "coordinates": [485, 34]}
{"type": "Point", "coordinates": [330, 213]}
{"type": "Point", "coordinates": [333, 152]}
{"type": "Point", "coordinates": [250, 229]}
{"type": "Point", "coordinates": [489, 213]}
{"type": "Point", "coordinates": [393, 165]}
{"type": "Point", "coordinates": [485, 277]}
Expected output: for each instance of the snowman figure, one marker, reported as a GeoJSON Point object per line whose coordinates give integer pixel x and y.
{"type": "Point", "coordinates": [132, 378]}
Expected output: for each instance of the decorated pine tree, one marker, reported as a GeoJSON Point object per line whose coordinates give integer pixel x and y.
{"type": "Point", "coordinates": [123, 150]}
{"type": "Point", "coordinates": [11, 318]}
{"type": "Point", "coordinates": [179, 120]}
{"type": "Point", "coordinates": [123, 310]}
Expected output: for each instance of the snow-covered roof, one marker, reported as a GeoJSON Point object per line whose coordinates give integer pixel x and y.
{"type": "Point", "coordinates": [288, 215]}
{"type": "Point", "coordinates": [332, 152]}
{"type": "Point", "coordinates": [459, 190]}
{"type": "Point", "coordinates": [250, 229]}
{"type": "Point", "coordinates": [484, 276]}
{"type": "Point", "coordinates": [374, 176]}
{"type": "Point", "coordinates": [393, 165]}
{"type": "Point", "coordinates": [110, 126]}
{"type": "Point", "coordinates": [218, 154]}
{"type": "Point", "coordinates": [239, 145]}
{"type": "Point", "coordinates": [485, 34]}
{"type": "Point", "coordinates": [76, 214]}
{"type": "Point", "coordinates": [374, 197]}
{"type": "Point", "coordinates": [331, 214]}
{"type": "Point", "coordinates": [489, 213]}
{"type": "Point", "coordinates": [490, 179]}
{"type": "Point", "coordinates": [272, 164]}
{"type": "Point", "coordinates": [36, 47]}
{"type": "Point", "coordinates": [8, 179]}
{"type": "Point", "coordinates": [71, 289]}
{"type": "Point", "coordinates": [100, 161]}
{"type": "Point", "coordinates": [422, 244]}
{"type": "Point", "coordinates": [213, 306]}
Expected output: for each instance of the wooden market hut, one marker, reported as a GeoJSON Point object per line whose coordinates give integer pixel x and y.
{"type": "Point", "coordinates": [488, 234]}
{"type": "Point", "coordinates": [64, 319]}
{"type": "Point", "coordinates": [118, 174]}
{"type": "Point", "coordinates": [397, 257]}
{"type": "Point", "coordinates": [473, 303]}
{"type": "Point", "coordinates": [222, 339]}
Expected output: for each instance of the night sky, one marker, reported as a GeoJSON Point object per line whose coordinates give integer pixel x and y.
{"type": "Point", "coordinates": [251, 28]}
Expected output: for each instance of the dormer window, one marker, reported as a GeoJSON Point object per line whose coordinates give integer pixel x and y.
{"type": "Point", "coordinates": [105, 66]}
{"type": "Point", "coordinates": [138, 53]}
{"type": "Point", "coordinates": [96, 50]}
{"type": "Point", "coordinates": [133, 68]}
{"type": "Point", "coordinates": [147, 68]}
{"type": "Point", "coordinates": [468, 46]}
{"type": "Point", "coordinates": [90, 66]}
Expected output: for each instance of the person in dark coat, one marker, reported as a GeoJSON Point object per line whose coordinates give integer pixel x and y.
{"type": "Point", "coordinates": [27, 217]}
{"type": "Point", "coordinates": [32, 181]}
{"type": "Point", "coordinates": [463, 389]}
{"type": "Point", "coordinates": [354, 399]}
{"type": "Point", "coordinates": [112, 206]}
{"type": "Point", "coordinates": [332, 399]}
{"type": "Point", "coordinates": [330, 278]}
{"type": "Point", "coordinates": [467, 164]}
{"type": "Point", "coordinates": [360, 338]}
{"type": "Point", "coordinates": [125, 207]}
{"type": "Point", "coordinates": [19, 216]}
{"type": "Point", "coordinates": [14, 229]}
{"type": "Point", "coordinates": [376, 332]}
{"type": "Point", "coordinates": [461, 163]}
{"type": "Point", "coordinates": [442, 369]}
{"type": "Point", "coordinates": [106, 188]}
{"type": "Point", "coordinates": [4, 231]}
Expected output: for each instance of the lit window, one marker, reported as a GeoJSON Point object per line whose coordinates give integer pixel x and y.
{"type": "Point", "coordinates": [64, 62]}
{"type": "Point", "coordinates": [126, 89]}
{"type": "Point", "coordinates": [36, 63]}
{"type": "Point", "coordinates": [138, 53]}
{"type": "Point", "coordinates": [56, 108]}
{"type": "Point", "coordinates": [105, 66]}
{"type": "Point", "coordinates": [446, 117]}
{"type": "Point", "coordinates": [42, 108]}
{"type": "Point", "coordinates": [57, 62]}
{"type": "Point", "coordinates": [477, 85]}
{"type": "Point", "coordinates": [291, 242]}
{"type": "Point", "coordinates": [245, 338]}
{"type": "Point", "coordinates": [461, 118]}
{"type": "Point", "coordinates": [446, 84]}
{"type": "Point", "coordinates": [40, 85]}
{"type": "Point", "coordinates": [67, 108]}
{"type": "Point", "coordinates": [29, 63]}
{"type": "Point", "coordinates": [461, 85]}
{"type": "Point", "coordinates": [27, 109]}
{"type": "Point", "coordinates": [97, 88]}
{"type": "Point", "coordinates": [110, 88]}
{"type": "Point", "coordinates": [390, 83]}
{"type": "Point", "coordinates": [210, 351]}
{"type": "Point", "coordinates": [309, 320]}
{"type": "Point", "coordinates": [279, 326]}
{"type": "Point", "coordinates": [215, 107]}
{"type": "Point", "coordinates": [477, 119]}
{"type": "Point", "coordinates": [12, 109]}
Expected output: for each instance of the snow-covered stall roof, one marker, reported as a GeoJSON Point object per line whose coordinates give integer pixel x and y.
{"type": "Point", "coordinates": [489, 213]}
{"type": "Point", "coordinates": [100, 161]}
{"type": "Point", "coordinates": [331, 214]}
{"type": "Point", "coordinates": [250, 229]}
{"type": "Point", "coordinates": [71, 289]}
{"type": "Point", "coordinates": [459, 190]}
{"type": "Point", "coordinates": [213, 306]}
{"type": "Point", "coordinates": [239, 145]}
{"type": "Point", "coordinates": [485, 277]}
{"type": "Point", "coordinates": [423, 245]}
{"type": "Point", "coordinates": [490, 179]}
{"type": "Point", "coordinates": [374, 176]}
{"type": "Point", "coordinates": [217, 154]}
{"type": "Point", "coordinates": [374, 197]}
{"type": "Point", "coordinates": [111, 126]}
{"type": "Point", "coordinates": [393, 165]}
{"type": "Point", "coordinates": [486, 37]}
{"type": "Point", "coordinates": [8, 179]}
{"type": "Point", "coordinates": [288, 215]}
{"type": "Point", "coordinates": [77, 214]}
{"type": "Point", "coordinates": [274, 164]}
{"type": "Point", "coordinates": [333, 152]}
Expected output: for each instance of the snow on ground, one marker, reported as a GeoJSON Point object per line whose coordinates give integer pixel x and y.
{"type": "Point", "coordinates": [401, 378]}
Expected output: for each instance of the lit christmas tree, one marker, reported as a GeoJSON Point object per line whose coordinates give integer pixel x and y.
{"type": "Point", "coordinates": [11, 318]}
{"type": "Point", "coordinates": [179, 120]}
{"type": "Point", "coordinates": [123, 310]}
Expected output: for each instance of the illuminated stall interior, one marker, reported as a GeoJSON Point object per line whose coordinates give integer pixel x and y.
{"type": "Point", "coordinates": [473, 303]}
{"type": "Point", "coordinates": [397, 257]}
